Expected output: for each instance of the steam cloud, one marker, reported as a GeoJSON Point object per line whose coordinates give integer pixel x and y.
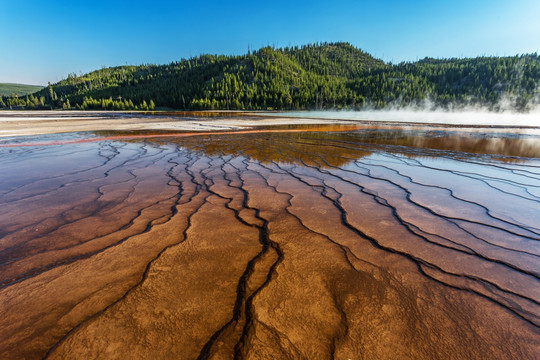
{"type": "Point", "coordinates": [503, 114]}
{"type": "Point", "coordinates": [406, 115]}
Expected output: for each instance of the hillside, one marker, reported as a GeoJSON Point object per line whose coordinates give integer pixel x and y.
{"type": "Point", "coordinates": [7, 89]}
{"type": "Point", "coordinates": [321, 76]}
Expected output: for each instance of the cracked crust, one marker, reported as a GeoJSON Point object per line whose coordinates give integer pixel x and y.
{"type": "Point", "coordinates": [267, 245]}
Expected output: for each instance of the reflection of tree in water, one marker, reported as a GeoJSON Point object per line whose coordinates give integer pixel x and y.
{"type": "Point", "coordinates": [340, 144]}
{"type": "Point", "coordinates": [282, 147]}
{"type": "Point", "coordinates": [287, 148]}
{"type": "Point", "coordinates": [476, 143]}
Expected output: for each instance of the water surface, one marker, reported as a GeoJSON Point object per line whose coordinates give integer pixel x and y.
{"type": "Point", "coordinates": [306, 242]}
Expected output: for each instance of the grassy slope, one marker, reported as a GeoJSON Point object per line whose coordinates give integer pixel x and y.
{"type": "Point", "coordinates": [7, 89]}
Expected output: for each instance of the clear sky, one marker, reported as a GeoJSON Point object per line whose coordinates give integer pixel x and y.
{"type": "Point", "coordinates": [43, 41]}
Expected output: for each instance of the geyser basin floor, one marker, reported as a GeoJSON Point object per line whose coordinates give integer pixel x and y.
{"type": "Point", "coordinates": [374, 244]}
{"type": "Point", "coordinates": [20, 123]}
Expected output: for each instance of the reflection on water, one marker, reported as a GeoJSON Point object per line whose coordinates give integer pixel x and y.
{"type": "Point", "coordinates": [341, 142]}
{"type": "Point", "coordinates": [299, 242]}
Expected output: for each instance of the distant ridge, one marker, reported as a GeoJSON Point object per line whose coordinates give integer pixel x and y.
{"type": "Point", "coordinates": [316, 76]}
{"type": "Point", "coordinates": [9, 89]}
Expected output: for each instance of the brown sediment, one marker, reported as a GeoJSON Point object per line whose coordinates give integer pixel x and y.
{"type": "Point", "coordinates": [176, 135]}
{"type": "Point", "coordinates": [269, 244]}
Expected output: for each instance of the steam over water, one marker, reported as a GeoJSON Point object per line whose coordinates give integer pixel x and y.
{"type": "Point", "coordinates": [290, 242]}
{"type": "Point", "coordinates": [466, 117]}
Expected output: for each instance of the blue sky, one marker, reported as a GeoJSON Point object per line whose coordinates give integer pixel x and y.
{"type": "Point", "coordinates": [44, 41]}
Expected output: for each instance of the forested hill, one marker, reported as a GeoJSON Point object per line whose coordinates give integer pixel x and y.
{"type": "Point", "coordinates": [321, 76]}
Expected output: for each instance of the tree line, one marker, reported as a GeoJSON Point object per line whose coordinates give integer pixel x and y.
{"type": "Point", "coordinates": [317, 76]}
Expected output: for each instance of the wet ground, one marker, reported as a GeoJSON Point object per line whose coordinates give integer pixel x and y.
{"type": "Point", "coordinates": [315, 242]}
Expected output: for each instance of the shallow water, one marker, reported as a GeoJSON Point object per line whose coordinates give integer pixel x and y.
{"type": "Point", "coordinates": [361, 242]}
